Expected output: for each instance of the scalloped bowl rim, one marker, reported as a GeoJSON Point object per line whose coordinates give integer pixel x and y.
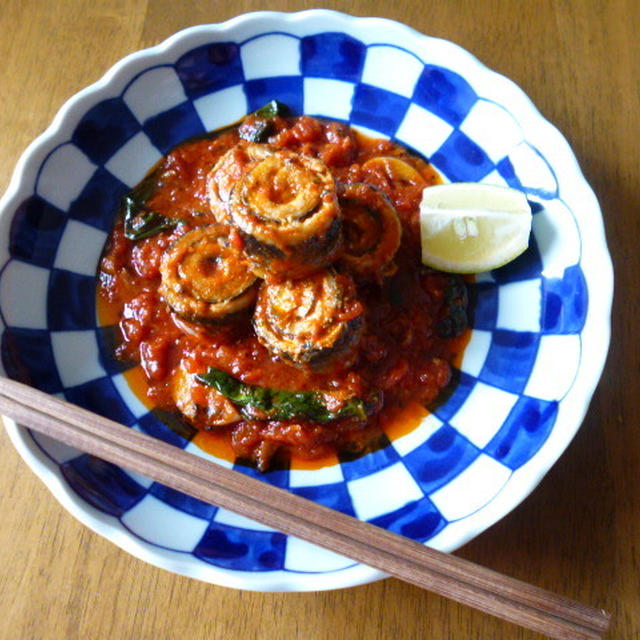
{"type": "Point", "coordinates": [573, 406]}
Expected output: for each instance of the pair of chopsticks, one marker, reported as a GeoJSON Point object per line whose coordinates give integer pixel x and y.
{"type": "Point", "coordinates": [447, 575]}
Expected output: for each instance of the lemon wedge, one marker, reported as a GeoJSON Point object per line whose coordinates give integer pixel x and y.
{"type": "Point", "coordinates": [470, 228]}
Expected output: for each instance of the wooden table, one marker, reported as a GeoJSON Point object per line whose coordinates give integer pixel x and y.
{"type": "Point", "coordinates": [578, 534]}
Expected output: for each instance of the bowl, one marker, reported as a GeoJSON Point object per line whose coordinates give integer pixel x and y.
{"type": "Point", "coordinates": [540, 325]}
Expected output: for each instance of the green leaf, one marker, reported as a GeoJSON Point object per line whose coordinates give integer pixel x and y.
{"type": "Point", "coordinates": [143, 191]}
{"type": "Point", "coordinates": [258, 126]}
{"type": "Point", "coordinates": [272, 109]}
{"type": "Point", "coordinates": [261, 402]}
{"type": "Point", "coordinates": [140, 224]}
{"type": "Point", "coordinates": [139, 221]}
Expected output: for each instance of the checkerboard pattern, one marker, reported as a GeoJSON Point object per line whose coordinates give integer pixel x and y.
{"type": "Point", "coordinates": [526, 317]}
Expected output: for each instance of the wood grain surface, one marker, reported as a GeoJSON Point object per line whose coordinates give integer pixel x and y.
{"type": "Point", "coordinates": [577, 534]}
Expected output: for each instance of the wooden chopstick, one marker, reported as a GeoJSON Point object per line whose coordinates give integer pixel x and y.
{"type": "Point", "coordinates": [444, 574]}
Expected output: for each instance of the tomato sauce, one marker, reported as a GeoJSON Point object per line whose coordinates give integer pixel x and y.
{"type": "Point", "coordinates": [415, 316]}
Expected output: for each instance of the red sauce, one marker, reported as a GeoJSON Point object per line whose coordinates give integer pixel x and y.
{"type": "Point", "coordinates": [402, 357]}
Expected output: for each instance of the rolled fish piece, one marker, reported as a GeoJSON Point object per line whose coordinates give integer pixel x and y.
{"type": "Point", "coordinates": [205, 277]}
{"type": "Point", "coordinates": [310, 321]}
{"type": "Point", "coordinates": [231, 166]}
{"type": "Point", "coordinates": [371, 229]}
{"type": "Point", "coordinates": [286, 209]}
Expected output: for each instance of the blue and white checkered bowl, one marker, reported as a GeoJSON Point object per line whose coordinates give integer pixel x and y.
{"type": "Point", "coordinates": [540, 325]}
